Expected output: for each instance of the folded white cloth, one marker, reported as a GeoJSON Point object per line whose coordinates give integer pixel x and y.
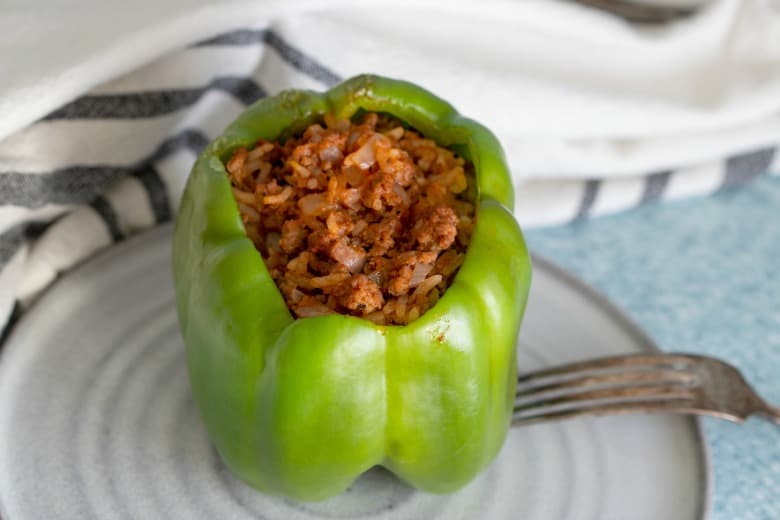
{"type": "Point", "coordinates": [105, 104]}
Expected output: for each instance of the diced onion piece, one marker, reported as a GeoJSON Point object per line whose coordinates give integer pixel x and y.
{"type": "Point", "coordinates": [330, 153]}
{"type": "Point", "coordinates": [375, 277]}
{"type": "Point", "coordinates": [353, 259]}
{"type": "Point", "coordinates": [314, 204]}
{"type": "Point", "coordinates": [365, 156]}
{"type": "Point", "coordinates": [401, 193]}
{"type": "Point", "coordinates": [419, 274]}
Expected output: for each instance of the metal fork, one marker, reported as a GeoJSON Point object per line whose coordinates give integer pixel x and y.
{"type": "Point", "coordinates": [637, 383]}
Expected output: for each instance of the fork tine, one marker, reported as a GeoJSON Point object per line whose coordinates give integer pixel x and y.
{"type": "Point", "coordinates": [645, 378]}
{"type": "Point", "coordinates": [637, 361]}
{"type": "Point", "coordinates": [536, 415]}
{"type": "Point", "coordinates": [623, 394]}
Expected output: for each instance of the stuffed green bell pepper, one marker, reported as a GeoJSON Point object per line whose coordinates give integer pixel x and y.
{"type": "Point", "coordinates": [302, 407]}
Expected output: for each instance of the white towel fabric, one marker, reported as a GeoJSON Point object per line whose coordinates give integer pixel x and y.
{"type": "Point", "coordinates": [105, 104]}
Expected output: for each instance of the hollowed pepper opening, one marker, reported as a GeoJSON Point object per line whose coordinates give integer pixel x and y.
{"type": "Point", "coordinates": [365, 217]}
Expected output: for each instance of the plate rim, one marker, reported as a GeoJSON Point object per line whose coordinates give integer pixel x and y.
{"type": "Point", "coordinates": [590, 293]}
{"type": "Point", "coordinates": [645, 341]}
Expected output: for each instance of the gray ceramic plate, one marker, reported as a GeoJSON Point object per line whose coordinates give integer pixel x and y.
{"type": "Point", "coordinates": [96, 419]}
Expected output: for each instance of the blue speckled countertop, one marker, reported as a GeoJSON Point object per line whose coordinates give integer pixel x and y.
{"type": "Point", "coordinates": [702, 276]}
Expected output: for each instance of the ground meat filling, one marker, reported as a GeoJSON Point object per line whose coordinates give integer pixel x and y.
{"type": "Point", "coordinates": [366, 218]}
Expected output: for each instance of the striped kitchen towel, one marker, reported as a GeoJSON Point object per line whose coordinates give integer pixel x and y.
{"type": "Point", "coordinates": [596, 116]}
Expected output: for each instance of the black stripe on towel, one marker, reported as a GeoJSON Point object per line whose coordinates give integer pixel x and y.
{"type": "Point", "coordinates": [103, 208]}
{"type": "Point", "coordinates": [12, 238]}
{"type": "Point", "coordinates": [82, 184]}
{"type": "Point", "coordinates": [290, 54]}
{"type": "Point", "coordinates": [13, 318]}
{"type": "Point", "coordinates": [655, 186]}
{"type": "Point", "coordinates": [192, 140]}
{"type": "Point", "coordinates": [159, 102]}
{"type": "Point", "coordinates": [592, 187]}
{"type": "Point", "coordinates": [71, 185]}
{"type": "Point", "coordinates": [153, 103]}
{"type": "Point", "coordinates": [156, 191]}
{"type": "Point", "coordinates": [745, 167]}
{"type": "Point", "coordinates": [237, 38]}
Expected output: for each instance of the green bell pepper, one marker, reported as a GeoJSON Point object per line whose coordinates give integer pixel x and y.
{"type": "Point", "coordinates": [302, 407]}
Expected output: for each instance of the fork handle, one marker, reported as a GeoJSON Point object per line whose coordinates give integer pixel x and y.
{"type": "Point", "coordinates": [770, 412]}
